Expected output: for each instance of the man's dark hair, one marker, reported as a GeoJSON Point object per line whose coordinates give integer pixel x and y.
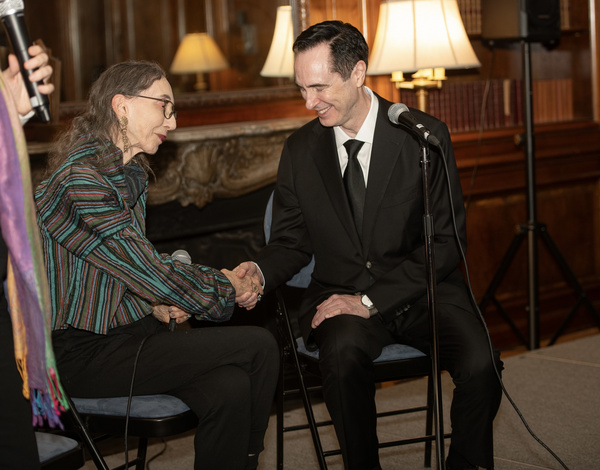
{"type": "Point", "coordinates": [347, 45]}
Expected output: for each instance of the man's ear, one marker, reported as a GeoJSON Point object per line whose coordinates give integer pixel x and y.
{"type": "Point", "coordinates": [360, 73]}
{"type": "Point", "coordinates": [119, 105]}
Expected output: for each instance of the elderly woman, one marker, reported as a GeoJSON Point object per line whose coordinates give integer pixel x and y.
{"type": "Point", "coordinates": [113, 294]}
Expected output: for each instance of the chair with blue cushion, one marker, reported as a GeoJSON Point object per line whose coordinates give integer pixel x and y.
{"type": "Point", "coordinates": [58, 452]}
{"type": "Point", "coordinates": [396, 362]}
{"type": "Point", "coordinates": [149, 416]}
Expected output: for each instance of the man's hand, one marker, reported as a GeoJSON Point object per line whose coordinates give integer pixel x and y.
{"type": "Point", "coordinates": [339, 305]}
{"type": "Point", "coordinates": [247, 281]}
{"type": "Point", "coordinates": [164, 313]}
{"type": "Point", "coordinates": [14, 79]}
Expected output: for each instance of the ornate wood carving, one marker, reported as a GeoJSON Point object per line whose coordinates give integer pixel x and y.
{"type": "Point", "coordinates": [197, 164]}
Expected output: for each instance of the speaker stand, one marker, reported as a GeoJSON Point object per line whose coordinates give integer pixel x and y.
{"type": "Point", "coordinates": [532, 230]}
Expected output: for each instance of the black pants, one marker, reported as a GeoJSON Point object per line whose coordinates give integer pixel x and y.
{"type": "Point", "coordinates": [348, 344]}
{"type": "Point", "coordinates": [226, 375]}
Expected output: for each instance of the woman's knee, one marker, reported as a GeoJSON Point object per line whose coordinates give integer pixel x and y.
{"type": "Point", "coordinates": [222, 392]}
{"type": "Point", "coordinates": [261, 346]}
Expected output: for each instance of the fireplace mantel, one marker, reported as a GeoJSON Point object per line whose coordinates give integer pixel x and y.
{"type": "Point", "coordinates": [197, 164]}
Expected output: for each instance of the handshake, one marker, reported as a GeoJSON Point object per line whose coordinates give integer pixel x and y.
{"type": "Point", "coordinates": [247, 281]}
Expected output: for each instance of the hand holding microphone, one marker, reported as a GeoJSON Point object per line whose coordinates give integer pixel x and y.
{"type": "Point", "coordinates": [11, 12]}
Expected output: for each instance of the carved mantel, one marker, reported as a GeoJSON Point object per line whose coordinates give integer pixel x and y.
{"type": "Point", "coordinates": [197, 164]}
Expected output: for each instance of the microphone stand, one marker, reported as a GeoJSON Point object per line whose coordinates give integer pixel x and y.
{"type": "Point", "coordinates": [432, 304]}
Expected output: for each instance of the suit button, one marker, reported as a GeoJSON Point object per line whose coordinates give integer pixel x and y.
{"type": "Point", "coordinates": [369, 265]}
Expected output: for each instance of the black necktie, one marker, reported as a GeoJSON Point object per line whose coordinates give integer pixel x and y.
{"type": "Point", "coordinates": [355, 182]}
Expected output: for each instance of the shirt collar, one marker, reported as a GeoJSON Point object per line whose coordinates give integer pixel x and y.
{"type": "Point", "coordinates": [367, 130]}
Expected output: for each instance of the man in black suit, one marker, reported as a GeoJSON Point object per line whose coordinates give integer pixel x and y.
{"type": "Point", "coordinates": [368, 287]}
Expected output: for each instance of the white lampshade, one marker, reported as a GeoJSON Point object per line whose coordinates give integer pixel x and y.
{"type": "Point", "coordinates": [198, 53]}
{"type": "Point", "coordinates": [280, 60]}
{"type": "Point", "coordinates": [420, 34]}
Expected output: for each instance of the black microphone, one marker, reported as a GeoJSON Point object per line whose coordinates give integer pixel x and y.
{"type": "Point", "coordinates": [185, 258]}
{"type": "Point", "coordinates": [400, 114]}
{"type": "Point", "coordinates": [13, 19]}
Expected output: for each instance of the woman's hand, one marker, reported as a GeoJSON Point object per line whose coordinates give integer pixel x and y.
{"type": "Point", "coordinates": [164, 313]}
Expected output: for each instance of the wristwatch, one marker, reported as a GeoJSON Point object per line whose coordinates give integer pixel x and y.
{"type": "Point", "coordinates": [364, 299]}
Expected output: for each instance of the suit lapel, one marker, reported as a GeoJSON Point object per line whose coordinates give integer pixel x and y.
{"type": "Point", "coordinates": [387, 146]}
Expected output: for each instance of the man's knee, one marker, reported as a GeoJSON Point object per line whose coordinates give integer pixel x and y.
{"type": "Point", "coordinates": [479, 372]}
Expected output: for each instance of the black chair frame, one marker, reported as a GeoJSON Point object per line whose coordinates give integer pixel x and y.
{"type": "Point", "coordinates": [383, 372]}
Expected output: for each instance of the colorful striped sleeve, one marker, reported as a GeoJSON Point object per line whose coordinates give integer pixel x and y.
{"type": "Point", "coordinates": [80, 211]}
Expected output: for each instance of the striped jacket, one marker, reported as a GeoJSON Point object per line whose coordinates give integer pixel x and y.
{"type": "Point", "coordinates": [102, 270]}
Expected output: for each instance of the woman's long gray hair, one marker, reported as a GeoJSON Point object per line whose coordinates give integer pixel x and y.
{"type": "Point", "coordinates": [126, 78]}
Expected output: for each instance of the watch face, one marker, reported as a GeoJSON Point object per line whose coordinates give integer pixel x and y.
{"type": "Point", "coordinates": [366, 301]}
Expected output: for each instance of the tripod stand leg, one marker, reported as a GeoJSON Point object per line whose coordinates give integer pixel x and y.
{"type": "Point", "coordinates": [572, 279]}
{"type": "Point", "coordinates": [508, 320]}
{"type": "Point", "coordinates": [490, 293]}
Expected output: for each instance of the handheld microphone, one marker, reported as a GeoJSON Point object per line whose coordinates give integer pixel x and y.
{"type": "Point", "coordinates": [11, 12]}
{"type": "Point", "coordinates": [400, 114]}
{"type": "Point", "coordinates": [185, 258]}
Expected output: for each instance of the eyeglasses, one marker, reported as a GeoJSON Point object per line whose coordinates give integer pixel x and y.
{"type": "Point", "coordinates": [168, 108]}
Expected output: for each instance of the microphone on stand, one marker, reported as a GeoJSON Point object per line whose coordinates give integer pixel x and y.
{"type": "Point", "coordinates": [400, 114]}
{"type": "Point", "coordinates": [13, 19]}
{"type": "Point", "coordinates": [184, 257]}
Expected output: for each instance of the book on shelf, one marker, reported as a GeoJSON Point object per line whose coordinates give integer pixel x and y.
{"type": "Point", "coordinates": [470, 12]}
{"type": "Point", "coordinates": [495, 104]}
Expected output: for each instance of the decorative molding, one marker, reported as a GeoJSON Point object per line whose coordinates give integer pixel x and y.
{"type": "Point", "coordinates": [197, 164]}
{"type": "Point", "coordinates": [198, 101]}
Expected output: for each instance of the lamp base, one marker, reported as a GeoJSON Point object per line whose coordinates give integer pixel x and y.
{"type": "Point", "coordinates": [422, 81]}
{"type": "Point", "coordinates": [200, 84]}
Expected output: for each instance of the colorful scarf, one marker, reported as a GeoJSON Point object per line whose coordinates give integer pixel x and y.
{"type": "Point", "coordinates": [27, 285]}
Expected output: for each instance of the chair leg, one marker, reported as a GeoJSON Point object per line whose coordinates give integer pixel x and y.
{"type": "Point", "coordinates": [311, 421]}
{"type": "Point", "coordinates": [279, 407]}
{"type": "Point", "coordinates": [312, 424]}
{"type": "Point", "coordinates": [86, 437]}
{"type": "Point", "coordinates": [429, 422]}
{"type": "Point", "coordinates": [141, 454]}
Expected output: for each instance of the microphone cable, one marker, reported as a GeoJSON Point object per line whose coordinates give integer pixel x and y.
{"type": "Point", "coordinates": [474, 301]}
{"type": "Point", "coordinates": [130, 398]}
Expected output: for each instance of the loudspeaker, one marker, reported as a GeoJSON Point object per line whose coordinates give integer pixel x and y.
{"type": "Point", "coordinates": [520, 20]}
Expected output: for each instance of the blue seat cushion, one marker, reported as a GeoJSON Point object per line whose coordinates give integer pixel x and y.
{"type": "Point", "coordinates": [143, 406]}
{"type": "Point", "coordinates": [52, 445]}
{"type": "Point", "coordinates": [392, 352]}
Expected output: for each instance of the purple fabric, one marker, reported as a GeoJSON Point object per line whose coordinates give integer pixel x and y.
{"type": "Point", "coordinates": [21, 234]}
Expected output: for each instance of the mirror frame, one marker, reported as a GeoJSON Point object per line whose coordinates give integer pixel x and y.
{"type": "Point", "coordinates": [248, 96]}
{"type": "Point", "coordinates": [300, 13]}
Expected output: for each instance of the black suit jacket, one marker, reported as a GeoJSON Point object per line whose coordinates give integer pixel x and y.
{"type": "Point", "coordinates": [311, 216]}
